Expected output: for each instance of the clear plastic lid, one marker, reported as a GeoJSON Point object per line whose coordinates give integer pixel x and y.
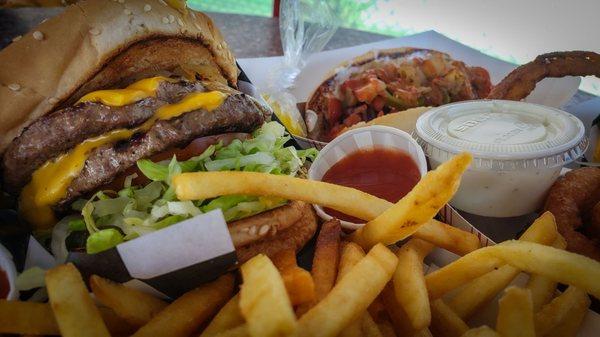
{"type": "Point", "coordinates": [503, 135]}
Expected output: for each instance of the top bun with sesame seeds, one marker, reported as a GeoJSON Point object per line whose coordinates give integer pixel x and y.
{"type": "Point", "coordinates": [98, 44]}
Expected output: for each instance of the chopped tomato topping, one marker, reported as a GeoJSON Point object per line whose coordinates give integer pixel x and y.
{"type": "Point", "coordinates": [394, 85]}
{"type": "Point", "coordinates": [481, 81]}
{"type": "Point", "coordinates": [355, 83]}
{"type": "Point", "coordinates": [369, 90]}
{"type": "Point", "coordinates": [353, 119]}
{"type": "Point", "coordinates": [333, 132]}
{"type": "Point", "coordinates": [408, 95]}
{"type": "Point", "coordinates": [365, 93]}
{"type": "Point", "coordinates": [429, 69]}
{"type": "Point", "coordinates": [334, 110]}
{"type": "Point", "coordinates": [378, 103]}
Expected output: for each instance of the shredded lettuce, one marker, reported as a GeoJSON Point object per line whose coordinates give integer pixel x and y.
{"type": "Point", "coordinates": [60, 232]}
{"type": "Point", "coordinates": [103, 239]}
{"type": "Point", "coordinates": [77, 224]}
{"type": "Point", "coordinates": [30, 279]}
{"type": "Point", "coordinates": [111, 217]}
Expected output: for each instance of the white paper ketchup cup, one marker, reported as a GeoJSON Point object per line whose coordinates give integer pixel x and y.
{"type": "Point", "coordinates": [518, 151]}
{"type": "Point", "coordinates": [366, 138]}
{"type": "Point", "coordinates": [8, 270]}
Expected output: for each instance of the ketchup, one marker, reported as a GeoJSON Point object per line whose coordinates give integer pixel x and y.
{"type": "Point", "coordinates": [386, 173]}
{"type": "Point", "coordinates": [4, 285]}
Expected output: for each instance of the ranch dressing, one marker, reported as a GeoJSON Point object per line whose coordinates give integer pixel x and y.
{"type": "Point", "coordinates": [519, 150]}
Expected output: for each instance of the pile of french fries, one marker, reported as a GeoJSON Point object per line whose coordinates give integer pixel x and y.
{"type": "Point", "coordinates": [369, 283]}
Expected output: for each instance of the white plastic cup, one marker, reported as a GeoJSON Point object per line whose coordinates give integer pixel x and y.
{"type": "Point", "coordinates": [518, 152]}
{"type": "Point", "coordinates": [365, 138]}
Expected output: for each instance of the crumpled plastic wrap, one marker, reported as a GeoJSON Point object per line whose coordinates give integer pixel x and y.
{"type": "Point", "coordinates": [306, 26]}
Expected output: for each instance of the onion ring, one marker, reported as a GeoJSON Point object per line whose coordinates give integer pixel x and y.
{"type": "Point", "coordinates": [569, 199]}
{"type": "Point", "coordinates": [521, 81]}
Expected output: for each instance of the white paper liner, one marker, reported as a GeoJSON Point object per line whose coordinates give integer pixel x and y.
{"type": "Point", "coordinates": [176, 247]}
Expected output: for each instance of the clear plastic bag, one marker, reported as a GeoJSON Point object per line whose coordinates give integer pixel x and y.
{"type": "Point", "coordinates": [306, 26]}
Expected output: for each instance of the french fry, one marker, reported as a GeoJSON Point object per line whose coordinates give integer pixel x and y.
{"type": "Point", "coordinates": [515, 313]}
{"type": "Point", "coordinates": [71, 303]}
{"type": "Point", "coordinates": [327, 257]}
{"type": "Point", "coordinates": [543, 289]}
{"type": "Point", "coordinates": [263, 300]}
{"type": "Point", "coordinates": [204, 185]}
{"type": "Point", "coordinates": [484, 289]}
{"type": "Point", "coordinates": [559, 265]}
{"type": "Point", "coordinates": [377, 310]}
{"type": "Point", "coordinates": [116, 325]}
{"type": "Point", "coordinates": [368, 326]}
{"type": "Point", "coordinates": [445, 322]}
{"type": "Point", "coordinates": [134, 306]}
{"type": "Point", "coordinates": [38, 319]}
{"type": "Point", "coordinates": [555, 264]}
{"type": "Point", "coordinates": [482, 331]}
{"type": "Point", "coordinates": [419, 206]}
{"type": "Point", "coordinates": [27, 318]}
{"type": "Point", "coordinates": [353, 329]}
{"type": "Point", "coordinates": [240, 331]}
{"type": "Point", "coordinates": [557, 310]}
{"type": "Point", "coordinates": [386, 328]}
{"type": "Point", "coordinates": [409, 283]}
{"type": "Point", "coordinates": [423, 333]}
{"type": "Point", "coordinates": [459, 272]}
{"type": "Point", "coordinates": [351, 296]}
{"type": "Point", "coordinates": [543, 230]}
{"type": "Point", "coordinates": [364, 325]}
{"type": "Point", "coordinates": [188, 312]}
{"type": "Point", "coordinates": [465, 269]}
{"type": "Point", "coordinates": [481, 291]}
{"type": "Point", "coordinates": [350, 256]}
{"type": "Point", "coordinates": [572, 321]}
{"type": "Point", "coordinates": [298, 282]}
{"type": "Point", "coordinates": [325, 262]}
{"type": "Point", "coordinates": [396, 313]}
{"type": "Point", "coordinates": [450, 238]}
{"type": "Point", "coordinates": [227, 318]}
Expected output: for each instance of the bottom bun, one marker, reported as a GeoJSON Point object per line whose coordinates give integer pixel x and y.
{"type": "Point", "coordinates": [292, 237]}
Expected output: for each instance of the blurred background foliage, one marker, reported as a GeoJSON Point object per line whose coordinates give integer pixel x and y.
{"type": "Point", "coordinates": [512, 30]}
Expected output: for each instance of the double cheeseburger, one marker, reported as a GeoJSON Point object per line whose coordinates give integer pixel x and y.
{"type": "Point", "coordinates": [104, 103]}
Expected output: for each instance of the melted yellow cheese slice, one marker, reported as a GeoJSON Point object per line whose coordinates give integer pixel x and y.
{"type": "Point", "coordinates": [133, 93]}
{"type": "Point", "coordinates": [49, 183]}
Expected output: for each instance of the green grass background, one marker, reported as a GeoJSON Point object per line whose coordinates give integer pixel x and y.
{"type": "Point", "coordinates": [350, 12]}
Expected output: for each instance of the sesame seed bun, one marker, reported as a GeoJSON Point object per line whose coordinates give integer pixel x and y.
{"type": "Point", "coordinates": [98, 44]}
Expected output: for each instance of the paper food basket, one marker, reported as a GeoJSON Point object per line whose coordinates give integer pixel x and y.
{"type": "Point", "coordinates": [550, 92]}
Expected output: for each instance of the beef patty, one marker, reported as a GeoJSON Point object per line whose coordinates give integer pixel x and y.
{"type": "Point", "coordinates": [238, 113]}
{"type": "Point", "coordinates": [60, 131]}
